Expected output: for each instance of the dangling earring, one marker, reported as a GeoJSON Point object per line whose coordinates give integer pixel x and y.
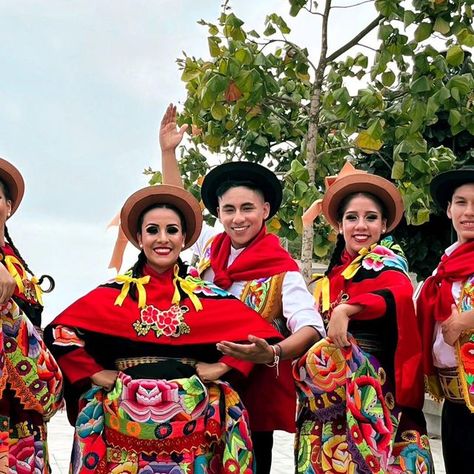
{"type": "Point", "coordinates": [141, 246]}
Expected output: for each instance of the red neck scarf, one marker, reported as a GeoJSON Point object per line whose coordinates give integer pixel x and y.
{"type": "Point", "coordinates": [436, 298]}
{"type": "Point", "coordinates": [264, 257]}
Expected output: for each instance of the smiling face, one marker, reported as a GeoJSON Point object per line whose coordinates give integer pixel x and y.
{"type": "Point", "coordinates": [161, 237]}
{"type": "Point", "coordinates": [362, 223]}
{"type": "Point", "coordinates": [242, 211]}
{"type": "Point", "coordinates": [461, 212]}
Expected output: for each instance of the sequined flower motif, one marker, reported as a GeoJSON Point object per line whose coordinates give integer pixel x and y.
{"type": "Point", "coordinates": [169, 322]}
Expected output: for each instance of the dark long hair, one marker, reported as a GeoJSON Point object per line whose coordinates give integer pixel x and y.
{"type": "Point", "coordinates": [340, 242]}
{"type": "Point", "coordinates": [9, 240]}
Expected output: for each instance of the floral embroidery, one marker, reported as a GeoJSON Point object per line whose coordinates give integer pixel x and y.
{"type": "Point", "coordinates": [205, 287]}
{"type": "Point", "coordinates": [165, 323]}
{"type": "Point", "coordinates": [386, 254]}
{"type": "Point", "coordinates": [465, 346]}
{"type": "Point", "coordinates": [150, 400]}
{"type": "Point", "coordinates": [257, 293]}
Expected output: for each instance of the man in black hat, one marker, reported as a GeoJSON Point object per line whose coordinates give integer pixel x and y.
{"type": "Point", "coordinates": [446, 313]}
{"type": "Point", "coordinates": [251, 264]}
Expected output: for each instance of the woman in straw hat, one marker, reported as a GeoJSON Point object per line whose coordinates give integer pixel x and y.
{"type": "Point", "coordinates": [129, 351]}
{"type": "Point", "coordinates": [30, 380]}
{"type": "Point", "coordinates": [446, 312]}
{"type": "Point", "coordinates": [361, 389]}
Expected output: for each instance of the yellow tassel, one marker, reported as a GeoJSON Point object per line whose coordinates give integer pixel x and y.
{"type": "Point", "coordinates": [188, 287]}
{"type": "Point", "coordinates": [322, 293]}
{"type": "Point", "coordinates": [38, 290]}
{"type": "Point", "coordinates": [10, 262]}
{"type": "Point", "coordinates": [127, 281]}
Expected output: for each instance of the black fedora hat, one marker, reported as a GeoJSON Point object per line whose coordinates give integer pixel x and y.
{"type": "Point", "coordinates": [242, 171]}
{"type": "Point", "coordinates": [443, 185]}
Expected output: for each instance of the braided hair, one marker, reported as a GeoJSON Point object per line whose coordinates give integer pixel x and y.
{"type": "Point", "coordinates": [9, 240]}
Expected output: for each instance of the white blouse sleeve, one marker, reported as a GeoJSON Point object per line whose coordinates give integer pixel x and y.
{"type": "Point", "coordinates": [299, 307]}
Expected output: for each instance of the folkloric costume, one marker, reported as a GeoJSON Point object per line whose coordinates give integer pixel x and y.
{"type": "Point", "coordinates": [449, 371]}
{"type": "Point", "coordinates": [159, 417]}
{"type": "Point", "coordinates": [360, 407]}
{"type": "Point", "coordinates": [265, 277]}
{"type": "Point", "coordinates": [30, 380]}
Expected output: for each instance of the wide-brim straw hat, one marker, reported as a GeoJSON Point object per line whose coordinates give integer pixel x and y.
{"type": "Point", "coordinates": [351, 180]}
{"type": "Point", "coordinates": [235, 171]}
{"type": "Point", "coordinates": [442, 186]}
{"type": "Point", "coordinates": [144, 198]}
{"type": "Point", "coordinates": [14, 181]}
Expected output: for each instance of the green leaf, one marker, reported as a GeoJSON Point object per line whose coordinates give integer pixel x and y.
{"type": "Point", "coordinates": [420, 85]}
{"type": "Point", "coordinates": [466, 38]}
{"type": "Point", "coordinates": [423, 31]}
{"type": "Point", "coordinates": [398, 170]}
{"type": "Point", "coordinates": [212, 89]}
{"type": "Point", "coordinates": [214, 48]}
{"type": "Point", "coordinates": [218, 111]}
{"type": "Point", "coordinates": [367, 143]}
{"type": "Point", "coordinates": [455, 55]}
{"type": "Point", "coordinates": [408, 18]}
{"type": "Point", "coordinates": [388, 78]}
{"type": "Point", "coordinates": [243, 56]}
{"type": "Point", "coordinates": [269, 30]}
{"type": "Point", "coordinates": [442, 26]}
{"type": "Point", "coordinates": [454, 117]}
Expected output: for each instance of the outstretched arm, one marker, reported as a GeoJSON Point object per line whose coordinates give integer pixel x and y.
{"type": "Point", "coordinates": [260, 352]}
{"type": "Point", "coordinates": [170, 137]}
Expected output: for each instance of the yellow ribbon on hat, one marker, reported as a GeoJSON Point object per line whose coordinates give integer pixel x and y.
{"type": "Point", "coordinates": [127, 281]}
{"type": "Point", "coordinates": [38, 290]}
{"type": "Point", "coordinates": [188, 287]}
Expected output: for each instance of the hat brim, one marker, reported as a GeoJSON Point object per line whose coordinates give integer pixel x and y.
{"type": "Point", "coordinates": [442, 186]}
{"type": "Point", "coordinates": [236, 171]}
{"type": "Point", "coordinates": [14, 181]}
{"type": "Point", "coordinates": [178, 197]}
{"type": "Point", "coordinates": [363, 182]}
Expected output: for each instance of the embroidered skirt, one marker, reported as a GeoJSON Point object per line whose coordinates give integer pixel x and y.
{"type": "Point", "coordinates": [348, 421]}
{"type": "Point", "coordinates": [30, 393]}
{"type": "Point", "coordinates": [146, 426]}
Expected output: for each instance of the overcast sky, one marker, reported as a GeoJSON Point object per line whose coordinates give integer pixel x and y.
{"type": "Point", "coordinates": [83, 85]}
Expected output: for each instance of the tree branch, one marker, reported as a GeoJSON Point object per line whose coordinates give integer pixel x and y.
{"type": "Point", "coordinates": [354, 5]}
{"type": "Point", "coordinates": [355, 40]}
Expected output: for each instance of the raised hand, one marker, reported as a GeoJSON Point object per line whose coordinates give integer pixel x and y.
{"type": "Point", "coordinates": [170, 135]}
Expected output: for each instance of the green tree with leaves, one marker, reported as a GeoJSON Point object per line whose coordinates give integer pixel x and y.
{"type": "Point", "coordinates": [259, 96]}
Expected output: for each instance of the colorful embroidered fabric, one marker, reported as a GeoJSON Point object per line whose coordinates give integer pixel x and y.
{"type": "Point", "coordinates": [465, 346]}
{"type": "Point", "coordinates": [347, 418]}
{"type": "Point", "coordinates": [32, 393]}
{"type": "Point", "coordinates": [162, 426]}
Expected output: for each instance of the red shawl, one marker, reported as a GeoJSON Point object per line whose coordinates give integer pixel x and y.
{"type": "Point", "coordinates": [97, 312]}
{"type": "Point", "coordinates": [378, 284]}
{"type": "Point", "coordinates": [436, 298]}
{"type": "Point", "coordinates": [263, 258]}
